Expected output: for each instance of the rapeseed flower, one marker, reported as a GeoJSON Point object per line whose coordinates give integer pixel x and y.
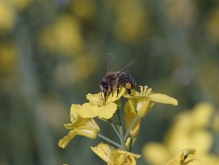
{"type": "Point", "coordinates": [79, 126]}
{"type": "Point", "coordinates": [98, 107]}
{"type": "Point", "coordinates": [115, 157]}
{"type": "Point", "coordinates": [141, 103]}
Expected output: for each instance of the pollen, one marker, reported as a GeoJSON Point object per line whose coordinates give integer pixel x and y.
{"type": "Point", "coordinates": [128, 86]}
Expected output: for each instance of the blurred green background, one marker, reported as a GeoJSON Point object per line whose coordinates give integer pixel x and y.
{"type": "Point", "coordinates": [52, 54]}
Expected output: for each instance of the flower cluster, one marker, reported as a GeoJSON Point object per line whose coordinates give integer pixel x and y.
{"type": "Point", "coordinates": [137, 107]}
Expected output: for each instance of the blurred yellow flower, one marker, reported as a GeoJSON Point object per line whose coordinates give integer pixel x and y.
{"type": "Point", "coordinates": [132, 21]}
{"type": "Point", "coordinates": [190, 129]}
{"type": "Point", "coordinates": [80, 126]}
{"type": "Point", "coordinates": [180, 158]}
{"type": "Point", "coordinates": [141, 103]}
{"type": "Point", "coordinates": [212, 26]}
{"type": "Point", "coordinates": [22, 4]}
{"type": "Point", "coordinates": [98, 107]}
{"type": "Point", "coordinates": [8, 13]}
{"type": "Point", "coordinates": [86, 63]}
{"type": "Point", "coordinates": [8, 56]}
{"type": "Point", "coordinates": [156, 154]}
{"type": "Point", "coordinates": [8, 16]}
{"type": "Point", "coordinates": [113, 156]}
{"type": "Point", "coordinates": [63, 36]}
{"type": "Point", "coordinates": [181, 12]}
{"type": "Point", "coordinates": [84, 9]}
{"type": "Point", "coordinates": [215, 122]}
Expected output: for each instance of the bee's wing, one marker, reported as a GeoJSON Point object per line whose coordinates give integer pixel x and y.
{"type": "Point", "coordinates": [125, 68]}
{"type": "Point", "coordinates": [109, 61]}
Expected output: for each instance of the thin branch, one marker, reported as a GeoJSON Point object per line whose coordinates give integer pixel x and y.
{"type": "Point", "coordinates": [109, 140]}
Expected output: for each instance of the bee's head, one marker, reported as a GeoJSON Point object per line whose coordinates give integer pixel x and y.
{"type": "Point", "coordinates": [105, 88]}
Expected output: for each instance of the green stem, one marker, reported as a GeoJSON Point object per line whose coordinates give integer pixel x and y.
{"type": "Point", "coordinates": [122, 141]}
{"type": "Point", "coordinates": [109, 140]}
{"type": "Point", "coordinates": [115, 129]}
{"type": "Point", "coordinates": [119, 132]}
{"type": "Point", "coordinates": [130, 128]}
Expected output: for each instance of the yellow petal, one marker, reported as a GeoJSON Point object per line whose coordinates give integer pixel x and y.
{"type": "Point", "coordinates": [202, 114]}
{"type": "Point", "coordinates": [77, 123]}
{"type": "Point", "coordinates": [129, 153]}
{"type": "Point", "coordinates": [75, 108]}
{"type": "Point", "coordinates": [107, 111]}
{"type": "Point", "coordinates": [155, 153]}
{"type": "Point", "coordinates": [143, 107]}
{"type": "Point", "coordinates": [132, 103]}
{"type": "Point", "coordinates": [87, 131]}
{"type": "Point", "coordinates": [104, 151]}
{"type": "Point", "coordinates": [119, 158]}
{"type": "Point", "coordinates": [64, 141]}
{"type": "Point", "coordinates": [74, 113]}
{"type": "Point", "coordinates": [88, 111]}
{"type": "Point", "coordinates": [112, 98]}
{"type": "Point", "coordinates": [92, 123]}
{"type": "Point", "coordinates": [94, 99]}
{"type": "Point", "coordinates": [124, 157]}
{"type": "Point", "coordinates": [104, 112]}
{"type": "Point", "coordinates": [140, 106]}
{"type": "Point", "coordinates": [129, 118]}
{"type": "Point", "coordinates": [180, 158]}
{"type": "Point", "coordinates": [69, 126]}
{"type": "Point", "coordinates": [194, 162]}
{"type": "Point", "coordinates": [161, 98]}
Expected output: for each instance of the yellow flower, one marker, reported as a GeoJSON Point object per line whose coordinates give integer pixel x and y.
{"type": "Point", "coordinates": [141, 103]}
{"type": "Point", "coordinates": [124, 157]}
{"type": "Point", "coordinates": [80, 126]}
{"type": "Point", "coordinates": [104, 151]}
{"type": "Point", "coordinates": [98, 107]}
{"type": "Point", "coordinates": [113, 156]}
{"type": "Point", "coordinates": [190, 129]}
{"type": "Point", "coordinates": [180, 158]}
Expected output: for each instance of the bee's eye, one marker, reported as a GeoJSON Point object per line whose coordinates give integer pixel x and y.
{"type": "Point", "coordinates": [106, 86]}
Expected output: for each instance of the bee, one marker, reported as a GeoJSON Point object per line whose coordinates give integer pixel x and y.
{"type": "Point", "coordinates": [113, 80]}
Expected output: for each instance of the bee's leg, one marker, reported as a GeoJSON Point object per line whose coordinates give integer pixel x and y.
{"type": "Point", "coordinates": [111, 90]}
{"type": "Point", "coordinates": [102, 96]}
{"type": "Point", "coordinates": [129, 91]}
{"type": "Point", "coordinates": [128, 88]}
{"type": "Point", "coordinates": [118, 85]}
{"type": "Point", "coordinates": [105, 94]}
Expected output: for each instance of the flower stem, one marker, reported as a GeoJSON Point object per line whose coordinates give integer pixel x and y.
{"type": "Point", "coordinates": [130, 128]}
{"type": "Point", "coordinates": [115, 129]}
{"type": "Point", "coordinates": [122, 141]}
{"type": "Point", "coordinates": [118, 129]}
{"type": "Point", "coordinates": [109, 140]}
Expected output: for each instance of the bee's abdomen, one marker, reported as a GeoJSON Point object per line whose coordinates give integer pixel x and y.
{"type": "Point", "coordinates": [124, 78]}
